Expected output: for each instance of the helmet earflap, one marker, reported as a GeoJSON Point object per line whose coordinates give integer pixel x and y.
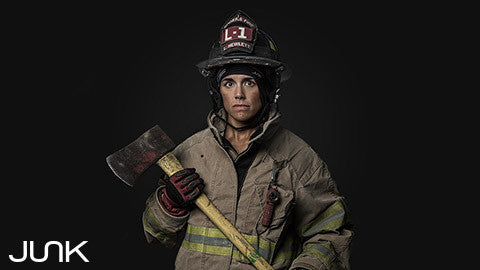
{"type": "Point", "coordinates": [214, 91]}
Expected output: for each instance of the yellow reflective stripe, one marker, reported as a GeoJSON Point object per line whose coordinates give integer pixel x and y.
{"type": "Point", "coordinates": [199, 247]}
{"type": "Point", "coordinates": [281, 256]}
{"type": "Point", "coordinates": [322, 250]}
{"type": "Point", "coordinates": [216, 233]}
{"type": "Point", "coordinates": [213, 241]}
{"type": "Point", "coordinates": [330, 219]}
{"type": "Point", "coordinates": [237, 255]}
{"type": "Point", "coordinates": [263, 244]}
{"type": "Point", "coordinates": [210, 232]}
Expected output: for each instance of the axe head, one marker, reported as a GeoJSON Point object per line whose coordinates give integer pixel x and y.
{"type": "Point", "coordinates": [130, 162]}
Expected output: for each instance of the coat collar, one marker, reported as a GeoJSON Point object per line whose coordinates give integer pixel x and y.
{"type": "Point", "coordinates": [266, 131]}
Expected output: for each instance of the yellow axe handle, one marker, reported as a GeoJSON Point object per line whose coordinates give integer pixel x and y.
{"type": "Point", "coordinates": [170, 164]}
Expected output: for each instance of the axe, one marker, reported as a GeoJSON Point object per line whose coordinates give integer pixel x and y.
{"type": "Point", "coordinates": [154, 146]}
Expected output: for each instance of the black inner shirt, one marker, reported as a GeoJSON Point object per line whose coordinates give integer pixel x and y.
{"type": "Point", "coordinates": [243, 161]}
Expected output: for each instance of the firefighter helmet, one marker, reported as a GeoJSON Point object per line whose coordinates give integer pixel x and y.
{"type": "Point", "coordinates": [242, 42]}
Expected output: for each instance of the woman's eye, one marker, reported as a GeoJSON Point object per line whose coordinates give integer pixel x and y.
{"type": "Point", "coordinates": [249, 83]}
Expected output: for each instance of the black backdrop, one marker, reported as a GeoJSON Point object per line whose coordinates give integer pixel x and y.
{"type": "Point", "coordinates": [85, 80]}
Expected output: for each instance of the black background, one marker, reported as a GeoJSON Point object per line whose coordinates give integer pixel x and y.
{"type": "Point", "coordinates": [84, 81]}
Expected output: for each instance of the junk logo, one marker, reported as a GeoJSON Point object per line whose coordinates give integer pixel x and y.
{"type": "Point", "coordinates": [29, 248]}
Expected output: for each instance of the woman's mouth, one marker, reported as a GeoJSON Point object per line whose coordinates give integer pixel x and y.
{"type": "Point", "coordinates": [241, 106]}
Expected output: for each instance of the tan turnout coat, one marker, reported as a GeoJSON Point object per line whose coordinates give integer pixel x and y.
{"type": "Point", "coordinates": [309, 227]}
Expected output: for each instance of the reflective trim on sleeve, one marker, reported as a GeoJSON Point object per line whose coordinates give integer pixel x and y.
{"type": "Point", "coordinates": [331, 219]}
{"type": "Point", "coordinates": [155, 229]}
{"type": "Point", "coordinates": [322, 250]}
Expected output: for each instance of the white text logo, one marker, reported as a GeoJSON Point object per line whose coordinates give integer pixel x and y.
{"type": "Point", "coordinates": [68, 251]}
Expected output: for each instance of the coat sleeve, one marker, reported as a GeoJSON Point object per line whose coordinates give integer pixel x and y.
{"type": "Point", "coordinates": [322, 222]}
{"type": "Point", "coordinates": [158, 224]}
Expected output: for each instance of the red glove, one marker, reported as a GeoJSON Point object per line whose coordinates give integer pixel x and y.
{"type": "Point", "coordinates": [180, 191]}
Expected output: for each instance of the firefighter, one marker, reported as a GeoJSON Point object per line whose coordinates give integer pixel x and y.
{"type": "Point", "coordinates": [247, 163]}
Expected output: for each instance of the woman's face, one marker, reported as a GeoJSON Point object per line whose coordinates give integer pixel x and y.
{"type": "Point", "coordinates": [241, 98]}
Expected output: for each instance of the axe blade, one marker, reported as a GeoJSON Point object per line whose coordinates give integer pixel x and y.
{"type": "Point", "coordinates": [131, 161]}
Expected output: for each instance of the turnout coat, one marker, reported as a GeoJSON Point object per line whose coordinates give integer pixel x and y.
{"type": "Point", "coordinates": [309, 227]}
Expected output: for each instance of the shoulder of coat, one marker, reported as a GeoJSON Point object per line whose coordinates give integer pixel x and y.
{"type": "Point", "coordinates": [287, 145]}
{"type": "Point", "coordinates": [299, 155]}
{"type": "Point", "coordinates": [196, 138]}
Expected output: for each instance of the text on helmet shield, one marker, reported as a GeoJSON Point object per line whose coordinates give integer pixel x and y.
{"type": "Point", "coordinates": [239, 18]}
{"type": "Point", "coordinates": [236, 33]}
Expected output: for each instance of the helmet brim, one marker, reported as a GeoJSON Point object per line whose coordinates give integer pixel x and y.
{"type": "Point", "coordinates": [209, 64]}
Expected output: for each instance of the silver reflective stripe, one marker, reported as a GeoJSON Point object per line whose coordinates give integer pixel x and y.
{"type": "Point", "coordinates": [224, 242]}
{"type": "Point", "coordinates": [211, 241]}
{"type": "Point", "coordinates": [317, 228]}
{"type": "Point", "coordinates": [328, 254]}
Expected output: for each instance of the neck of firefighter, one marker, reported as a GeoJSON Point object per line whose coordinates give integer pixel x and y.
{"type": "Point", "coordinates": [239, 137]}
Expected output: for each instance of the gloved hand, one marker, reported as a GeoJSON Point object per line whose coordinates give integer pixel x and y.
{"type": "Point", "coordinates": [181, 189]}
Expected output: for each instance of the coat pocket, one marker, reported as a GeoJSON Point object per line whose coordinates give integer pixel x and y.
{"type": "Point", "coordinates": [281, 210]}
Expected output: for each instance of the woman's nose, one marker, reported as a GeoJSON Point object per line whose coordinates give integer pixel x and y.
{"type": "Point", "coordinates": [239, 93]}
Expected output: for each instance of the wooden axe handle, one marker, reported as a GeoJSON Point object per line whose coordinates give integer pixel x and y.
{"type": "Point", "coordinates": [170, 164]}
